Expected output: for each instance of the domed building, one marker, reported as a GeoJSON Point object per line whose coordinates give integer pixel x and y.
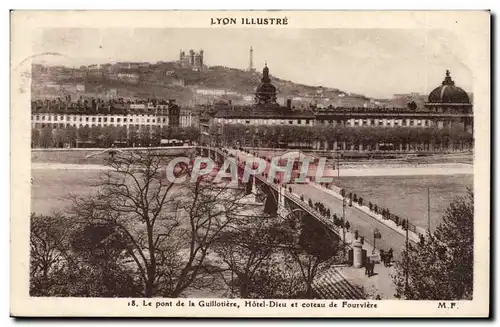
{"type": "Point", "coordinates": [265, 111]}
{"type": "Point", "coordinates": [266, 92]}
{"type": "Point", "coordinates": [452, 103]}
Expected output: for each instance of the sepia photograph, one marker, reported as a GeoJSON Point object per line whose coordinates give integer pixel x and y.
{"type": "Point", "coordinates": [250, 163]}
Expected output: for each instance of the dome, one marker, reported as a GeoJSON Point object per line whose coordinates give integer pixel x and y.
{"type": "Point", "coordinates": [266, 92]}
{"type": "Point", "coordinates": [447, 92]}
{"type": "Point", "coordinates": [266, 89]}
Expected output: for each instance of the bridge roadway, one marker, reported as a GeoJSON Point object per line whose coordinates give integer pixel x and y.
{"type": "Point", "coordinates": [358, 219]}
{"type": "Point", "coordinates": [289, 196]}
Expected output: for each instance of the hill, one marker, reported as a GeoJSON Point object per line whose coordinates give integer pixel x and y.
{"type": "Point", "coordinates": [169, 80]}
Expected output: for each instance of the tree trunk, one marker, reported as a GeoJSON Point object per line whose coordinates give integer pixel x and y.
{"type": "Point", "coordinates": [149, 290]}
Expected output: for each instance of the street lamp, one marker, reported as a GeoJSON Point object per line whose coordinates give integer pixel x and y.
{"type": "Point", "coordinates": [376, 234]}
{"type": "Point", "coordinates": [343, 222]}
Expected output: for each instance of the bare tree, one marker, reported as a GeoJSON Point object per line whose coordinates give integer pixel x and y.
{"type": "Point", "coordinates": [310, 245]}
{"type": "Point", "coordinates": [49, 247]}
{"type": "Point", "coordinates": [169, 227]}
{"type": "Point", "coordinates": [245, 248]}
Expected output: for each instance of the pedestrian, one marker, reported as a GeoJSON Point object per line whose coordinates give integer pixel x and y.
{"type": "Point", "coordinates": [347, 225]}
{"type": "Point", "coordinates": [367, 266]}
{"type": "Point", "coordinates": [383, 256]}
{"type": "Point", "coordinates": [390, 256]}
{"type": "Point", "coordinates": [372, 266]}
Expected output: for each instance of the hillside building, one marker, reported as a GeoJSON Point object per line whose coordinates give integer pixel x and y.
{"type": "Point", "coordinates": [193, 60]}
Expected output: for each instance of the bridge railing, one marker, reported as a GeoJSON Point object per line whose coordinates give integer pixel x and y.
{"type": "Point", "coordinates": [290, 196]}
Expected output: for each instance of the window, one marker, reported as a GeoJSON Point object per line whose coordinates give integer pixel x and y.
{"type": "Point", "coordinates": [164, 120]}
{"type": "Point", "coordinates": [111, 120]}
{"type": "Point", "coordinates": [412, 122]}
{"type": "Point", "coordinates": [117, 120]}
{"type": "Point", "coordinates": [381, 122]}
{"type": "Point", "coordinates": [348, 123]}
{"type": "Point", "coordinates": [321, 121]}
{"type": "Point", "coordinates": [356, 122]}
{"type": "Point", "coordinates": [81, 118]}
{"type": "Point", "coordinates": [105, 119]}
{"type": "Point", "coordinates": [55, 118]}
{"type": "Point", "coordinates": [307, 121]}
{"type": "Point", "coordinates": [396, 123]}
{"type": "Point", "coordinates": [426, 122]}
{"type": "Point", "coordinates": [153, 121]}
{"type": "Point", "coordinates": [99, 119]}
{"type": "Point", "coordinates": [50, 118]}
{"type": "Point", "coordinates": [93, 120]}
{"type": "Point", "coordinates": [247, 122]}
{"type": "Point", "coordinates": [291, 122]}
{"type": "Point", "coordinates": [365, 122]}
{"type": "Point", "coordinates": [404, 122]}
{"type": "Point", "coordinates": [299, 121]}
{"type": "Point", "coordinates": [86, 118]}
{"type": "Point", "coordinates": [43, 117]}
{"type": "Point", "coordinates": [131, 120]}
{"type": "Point", "coordinates": [372, 122]}
{"type": "Point", "coordinates": [37, 117]}
{"type": "Point", "coordinates": [147, 120]}
{"type": "Point", "coordinates": [419, 122]}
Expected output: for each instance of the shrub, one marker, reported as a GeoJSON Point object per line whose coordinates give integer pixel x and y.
{"type": "Point", "coordinates": [396, 220]}
{"type": "Point", "coordinates": [375, 209]}
{"type": "Point", "coordinates": [290, 189]}
{"type": "Point", "coordinates": [360, 201]}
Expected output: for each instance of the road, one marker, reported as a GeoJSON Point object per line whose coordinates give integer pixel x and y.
{"type": "Point", "coordinates": [358, 219]}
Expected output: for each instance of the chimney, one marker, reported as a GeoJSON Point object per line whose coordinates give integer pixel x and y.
{"type": "Point", "coordinates": [289, 103]}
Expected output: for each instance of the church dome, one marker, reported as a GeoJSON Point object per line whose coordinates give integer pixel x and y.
{"type": "Point", "coordinates": [266, 92]}
{"type": "Point", "coordinates": [447, 92]}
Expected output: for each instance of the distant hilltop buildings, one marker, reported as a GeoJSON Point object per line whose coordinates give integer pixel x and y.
{"type": "Point", "coordinates": [193, 60]}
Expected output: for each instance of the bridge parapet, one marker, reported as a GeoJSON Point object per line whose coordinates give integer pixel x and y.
{"type": "Point", "coordinates": [288, 195]}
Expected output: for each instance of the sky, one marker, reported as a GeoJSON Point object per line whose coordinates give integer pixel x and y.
{"type": "Point", "coordinates": [374, 62]}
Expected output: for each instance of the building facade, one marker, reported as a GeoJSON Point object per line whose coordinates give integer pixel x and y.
{"type": "Point", "coordinates": [448, 108]}
{"type": "Point", "coordinates": [63, 114]}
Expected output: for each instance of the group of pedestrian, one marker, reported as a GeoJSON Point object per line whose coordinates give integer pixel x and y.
{"type": "Point", "coordinates": [386, 257]}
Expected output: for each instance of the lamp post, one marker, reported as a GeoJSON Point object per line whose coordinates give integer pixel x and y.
{"type": "Point", "coordinates": [343, 223]}
{"type": "Point", "coordinates": [376, 234]}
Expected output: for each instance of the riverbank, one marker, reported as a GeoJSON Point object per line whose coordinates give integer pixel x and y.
{"type": "Point", "coordinates": [382, 170]}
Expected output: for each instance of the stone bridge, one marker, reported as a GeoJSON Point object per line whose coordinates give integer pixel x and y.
{"type": "Point", "coordinates": [277, 199]}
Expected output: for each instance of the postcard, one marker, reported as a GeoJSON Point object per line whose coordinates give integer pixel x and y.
{"type": "Point", "coordinates": [250, 163]}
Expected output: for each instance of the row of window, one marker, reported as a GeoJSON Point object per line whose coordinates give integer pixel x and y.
{"type": "Point", "coordinates": [380, 122]}
{"type": "Point", "coordinates": [266, 121]}
{"type": "Point", "coordinates": [102, 119]}
{"type": "Point", "coordinates": [62, 125]}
